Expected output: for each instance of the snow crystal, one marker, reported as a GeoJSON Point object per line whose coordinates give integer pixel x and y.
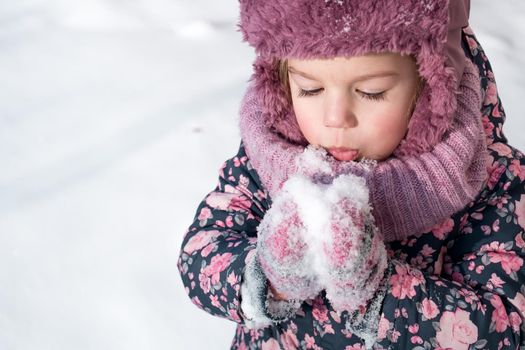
{"type": "Point", "coordinates": [348, 23]}
{"type": "Point", "coordinates": [338, 2]}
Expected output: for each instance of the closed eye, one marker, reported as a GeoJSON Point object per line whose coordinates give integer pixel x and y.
{"type": "Point", "coordinates": [306, 93]}
{"type": "Point", "coordinates": [377, 96]}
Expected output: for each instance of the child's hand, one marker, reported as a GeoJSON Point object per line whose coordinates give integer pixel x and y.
{"type": "Point", "coordinates": [355, 254]}
{"type": "Point", "coordinates": [282, 251]}
{"type": "Point", "coordinates": [319, 234]}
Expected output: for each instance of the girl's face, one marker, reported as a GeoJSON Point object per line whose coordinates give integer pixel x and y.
{"type": "Point", "coordinates": [354, 107]}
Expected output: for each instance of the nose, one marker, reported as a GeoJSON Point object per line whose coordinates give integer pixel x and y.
{"type": "Point", "coordinates": [338, 113]}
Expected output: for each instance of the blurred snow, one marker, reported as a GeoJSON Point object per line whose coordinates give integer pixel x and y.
{"type": "Point", "coordinates": [115, 118]}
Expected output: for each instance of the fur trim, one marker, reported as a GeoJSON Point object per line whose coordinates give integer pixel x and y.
{"type": "Point", "coordinates": [276, 108]}
{"type": "Point", "coordinates": [308, 29]}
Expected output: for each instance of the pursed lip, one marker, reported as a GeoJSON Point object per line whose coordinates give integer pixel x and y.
{"type": "Point", "coordinates": [343, 153]}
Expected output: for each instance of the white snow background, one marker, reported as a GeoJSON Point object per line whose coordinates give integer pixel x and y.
{"type": "Point", "coordinates": [114, 119]}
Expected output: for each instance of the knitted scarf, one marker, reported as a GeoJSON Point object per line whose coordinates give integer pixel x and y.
{"type": "Point", "coordinates": [409, 194]}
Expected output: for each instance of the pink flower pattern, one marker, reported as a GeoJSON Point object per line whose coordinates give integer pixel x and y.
{"type": "Point", "coordinates": [443, 229]}
{"type": "Point", "coordinates": [404, 281]}
{"type": "Point", "coordinates": [429, 309]}
{"type": "Point", "coordinates": [520, 213]}
{"type": "Point", "coordinates": [384, 326]}
{"type": "Point", "coordinates": [457, 331]}
{"type": "Point", "coordinates": [509, 261]}
{"type": "Point", "coordinates": [499, 316]}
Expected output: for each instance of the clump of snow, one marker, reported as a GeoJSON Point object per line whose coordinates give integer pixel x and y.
{"type": "Point", "coordinates": [314, 212]}
{"type": "Point", "coordinates": [313, 163]}
{"type": "Point", "coordinates": [317, 204]}
{"type": "Point", "coordinates": [352, 187]}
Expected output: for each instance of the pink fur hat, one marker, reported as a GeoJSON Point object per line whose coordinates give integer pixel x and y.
{"type": "Point", "coordinates": [430, 30]}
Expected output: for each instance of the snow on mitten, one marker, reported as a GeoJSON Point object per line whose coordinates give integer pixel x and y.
{"type": "Point", "coordinates": [282, 250]}
{"type": "Point", "coordinates": [315, 164]}
{"type": "Point", "coordinates": [354, 251]}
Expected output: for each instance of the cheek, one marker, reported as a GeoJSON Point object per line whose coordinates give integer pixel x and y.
{"type": "Point", "coordinates": [393, 118]}
{"type": "Point", "coordinates": [393, 125]}
{"type": "Point", "coordinates": [388, 130]}
{"type": "Point", "coordinates": [308, 119]}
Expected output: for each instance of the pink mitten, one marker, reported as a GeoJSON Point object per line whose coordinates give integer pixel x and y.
{"type": "Point", "coordinates": [354, 251]}
{"type": "Point", "coordinates": [282, 250]}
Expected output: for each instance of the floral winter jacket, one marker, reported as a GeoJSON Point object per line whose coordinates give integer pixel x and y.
{"type": "Point", "coordinates": [460, 286]}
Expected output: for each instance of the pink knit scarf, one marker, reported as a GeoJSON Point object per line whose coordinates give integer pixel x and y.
{"type": "Point", "coordinates": [409, 195]}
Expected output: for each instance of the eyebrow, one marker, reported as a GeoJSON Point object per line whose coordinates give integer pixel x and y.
{"type": "Point", "coordinates": [358, 78]}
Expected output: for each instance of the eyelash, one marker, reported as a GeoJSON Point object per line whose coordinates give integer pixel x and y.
{"type": "Point", "coordinates": [374, 97]}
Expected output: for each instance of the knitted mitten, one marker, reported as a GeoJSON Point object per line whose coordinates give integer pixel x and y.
{"type": "Point", "coordinates": [282, 250]}
{"type": "Point", "coordinates": [354, 252]}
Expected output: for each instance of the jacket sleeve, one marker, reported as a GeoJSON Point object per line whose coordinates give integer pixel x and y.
{"type": "Point", "coordinates": [478, 300]}
{"type": "Point", "coordinates": [222, 238]}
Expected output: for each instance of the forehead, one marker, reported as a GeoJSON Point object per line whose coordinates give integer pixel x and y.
{"type": "Point", "coordinates": [373, 65]}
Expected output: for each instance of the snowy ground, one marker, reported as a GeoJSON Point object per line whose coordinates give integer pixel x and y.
{"type": "Point", "coordinates": [115, 118]}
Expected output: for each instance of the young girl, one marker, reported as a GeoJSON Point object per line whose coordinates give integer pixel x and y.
{"type": "Point", "coordinates": [374, 201]}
